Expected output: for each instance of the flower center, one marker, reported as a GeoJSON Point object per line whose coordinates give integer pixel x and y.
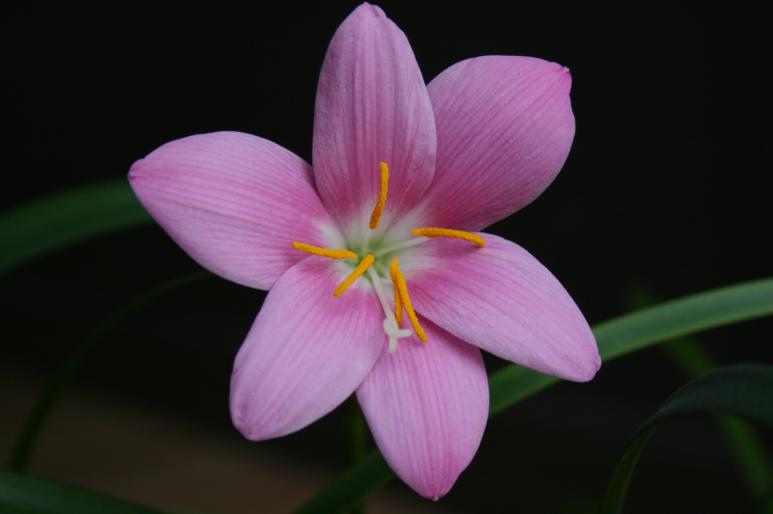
{"type": "Point", "coordinates": [373, 264]}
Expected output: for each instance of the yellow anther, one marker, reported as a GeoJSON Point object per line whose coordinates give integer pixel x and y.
{"type": "Point", "coordinates": [406, 300]}
{"type": "Point", "coordinates": [361, 268]}
{"type": "Point", "coordinates": [324, 252]}
{"type": "Point", "coordinates": [382, 195]}
{"type": "Point", "coordinates": [448, 232]}
{"type": "Point", "coordinates": [393, 270]}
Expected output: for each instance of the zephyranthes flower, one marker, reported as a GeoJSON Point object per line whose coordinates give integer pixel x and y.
{"type": "Point", "coordinates": [379, 281]}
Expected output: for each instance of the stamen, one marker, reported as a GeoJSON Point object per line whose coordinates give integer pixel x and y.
{"type": "Point", "coordinates": [325, 252]}
{"type": "Point", "coordinates": [382, 195]}
{"type": "Point", "coordinates": [393, 270]}
{"type": "Point", "coordinates": [406, 301]}
{"type": "Point", "coordinates": [448, 232]}
{"type": "Point", "coordinates": [361, 268]}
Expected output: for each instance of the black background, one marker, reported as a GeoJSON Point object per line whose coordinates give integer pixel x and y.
{"type": "Point", "coordinates": [668, 186]}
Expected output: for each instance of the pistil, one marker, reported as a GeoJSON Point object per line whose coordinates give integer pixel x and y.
{"type": "Point", "coordinates": [391, 325]}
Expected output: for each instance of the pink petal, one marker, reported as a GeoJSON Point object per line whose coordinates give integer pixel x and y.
{"type": "Point", "coordinates": [372, 105]}
{"type": "Point", "coordinates": [503, 300]}
{"type": "Point", "coordinates": [504, 129]}
{"type": "Point", "coordinates": [234, 202]}
{"type": "Point", "coordinates": [427, 405]}
{"type": "Point", "coordinates": [306, 352]}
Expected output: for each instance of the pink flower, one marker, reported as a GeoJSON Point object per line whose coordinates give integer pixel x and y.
{"type": "Point", "coordinates": [404, 176]}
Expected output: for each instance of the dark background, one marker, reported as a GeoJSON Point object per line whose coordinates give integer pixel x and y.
{"type": "Point", "coordinates": [668, 186]}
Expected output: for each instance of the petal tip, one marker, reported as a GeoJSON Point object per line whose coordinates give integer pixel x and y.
{"type": "Point", "coordinates": [432, 489]}
{"type": "Point", "coordinates": [560, 74]}
{"type": "Point", "coordinates": [586, 371]}
{"type": "Point", "coordinates": [366, 13]}
{"type": "Point", "coordinates": [135, 170]}
{"type": "Point", "coordinates": [366, 8]}
{"type": "Point", "coordinates": [251, 428]}
{"type": "Point", "coordinates": [565, 75]}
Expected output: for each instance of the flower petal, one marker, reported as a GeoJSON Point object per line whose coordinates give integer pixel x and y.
{"type": "Point", "coordinates": [504, 129]}
{"type": "Point", "coordinates": [427, 406]}
{"type": "Point", "coordinates": [503, 300]}
{"type": "Point", "coordinates": [306, 352]}
{"type": "Point", "coordinates": [235, 202]}
{"type": "Point", "coordinates": [372, 105]}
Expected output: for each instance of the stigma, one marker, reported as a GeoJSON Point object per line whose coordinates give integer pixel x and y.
{"type": "Point", "coordinates": [373, 268]}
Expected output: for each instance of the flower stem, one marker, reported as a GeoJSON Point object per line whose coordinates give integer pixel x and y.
{"type": "Point", "coordinates": [356, 443]}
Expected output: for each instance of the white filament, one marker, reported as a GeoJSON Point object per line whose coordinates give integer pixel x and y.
{"type": "Point", "coordinates": [391, 329]}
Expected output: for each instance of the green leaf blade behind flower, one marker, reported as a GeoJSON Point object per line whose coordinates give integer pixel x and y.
{"type": "Point", "coordinates": [744, 391]}
{"type": "Point", "coordinates": [23, 494]}
{"type": "Point", "coordinates": [65, 218]}
{"type": "Point", "coordinates": [615, 338]}
{"type": "Point", "coordinates": [744, 442]}
{"type": "Point", "coordinates": [346, 491]}
{"type": "Point", "coordinates": [25, 443]}
{"type": "Point", "coordinates": [645, 327]}
{"type": "Point", "coordinates": [684, 316]}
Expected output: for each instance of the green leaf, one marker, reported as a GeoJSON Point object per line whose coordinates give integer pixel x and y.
{"type": "Point", "coordinates": [23, 494]}
{"type": "Point", "coordinates": [744, 391]}
{"type": "Point", "coordinates": [744, 442]}
{"type": "Point", "coordinates": [357, 442]}
{"type": "Point", "coordinates": [28, 436]}
{"type": "Point", "coordinates": [65, 218]}
{"type": "Point", "coordinates": [346, 491]}
{"type": "Point", "coordinates": [615, 338]}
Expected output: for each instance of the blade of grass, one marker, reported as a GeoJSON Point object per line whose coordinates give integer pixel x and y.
{"type": "Point", "coordinates": [65, 218]}
{"type": "Point", "coordinates": [24, 494]}
{"type": "Point", "coordinates": [25, 443]}
{"type": "Point", "coordinates": [743, 390]}
{"type": "Point", "coordinates": [744, 442]}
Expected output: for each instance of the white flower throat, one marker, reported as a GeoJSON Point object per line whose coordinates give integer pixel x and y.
{"type": "Point", "coordinates": [382, 266]}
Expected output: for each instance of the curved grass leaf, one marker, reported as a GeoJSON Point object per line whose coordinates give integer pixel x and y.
{"type": "Point", "coordinates": [28, 436]}
{"type": "Point", "coordinates": [23, 494]}
{"type": "Point", "coordinates": [615, 338]}
{"type": "Point", "coordinates": [346, 492]}
{"type": "Point", "coordinates": [744, 391]}
{"type": "Point", "coordinates": [65, 218]}
{"type": "Point", "coordinates": [746, 445]}
{"type": "Point", "coordinates": [744, 442]}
